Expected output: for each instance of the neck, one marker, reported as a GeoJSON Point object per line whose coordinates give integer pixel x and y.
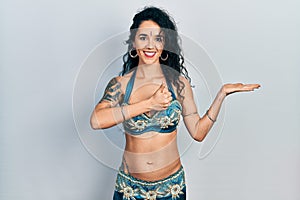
{"type": "Point", "coordinates": [149, 70]}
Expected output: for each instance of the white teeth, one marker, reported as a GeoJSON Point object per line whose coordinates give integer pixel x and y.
{"type": "Point", "coordinates": [150, 54]}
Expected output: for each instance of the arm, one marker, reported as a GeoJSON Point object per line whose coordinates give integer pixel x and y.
{"type": "Point", "coordinates": [197, 126]}
{"type": "Point", "coordinates": [107, 113]}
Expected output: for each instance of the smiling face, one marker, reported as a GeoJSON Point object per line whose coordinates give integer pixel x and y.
{"type": "Point", "coordinates": [149, 42]}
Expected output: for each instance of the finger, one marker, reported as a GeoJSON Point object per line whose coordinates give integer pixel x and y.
{"type": "Point", "coordinates": [166, 105]}
{"type": "Point", "coordinates": [251, 86]}
{"type": "Point", "coordinates": [166, 90]}
{"type": "Point", "coordinates": [167, 94]}
{"type": "Point", "coordinates": [167, 100]}
{"type": "Point", "coordinates": [163, 87]}
{"type": "Point", "coordinates": [166, 97]}
{"type": "Point", "coordinates": [256, 85]}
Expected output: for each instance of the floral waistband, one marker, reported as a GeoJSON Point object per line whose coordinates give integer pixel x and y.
{"type": "Point", "coordinates": [133, 188]}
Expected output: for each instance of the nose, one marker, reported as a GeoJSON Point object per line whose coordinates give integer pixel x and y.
{"type": "Point", "coordinates": [150, 43]}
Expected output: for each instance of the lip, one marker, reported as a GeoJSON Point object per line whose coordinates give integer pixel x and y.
{"type": "Point", "coordinates": [149, 54]}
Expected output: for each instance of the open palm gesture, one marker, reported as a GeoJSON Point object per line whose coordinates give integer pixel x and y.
{"type": "Point", "coordinates": [238, 87]}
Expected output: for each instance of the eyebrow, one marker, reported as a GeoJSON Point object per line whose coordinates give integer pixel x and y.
{"type": "Point", "coordinates": [158, 35]}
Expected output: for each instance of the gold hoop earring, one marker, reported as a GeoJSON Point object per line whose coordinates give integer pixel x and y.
{"type": "Point", "coordinates": [164, 59]}
{"type": "Point", "coordinates": [131, 54]}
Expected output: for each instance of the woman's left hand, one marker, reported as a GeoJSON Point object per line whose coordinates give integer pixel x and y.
{"type": "Point", "coordinates": [238, 87]}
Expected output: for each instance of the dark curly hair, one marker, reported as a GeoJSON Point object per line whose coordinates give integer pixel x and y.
{"type": "Point", "coordinates": [173, 66]}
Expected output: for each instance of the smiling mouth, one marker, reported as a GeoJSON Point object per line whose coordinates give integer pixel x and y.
{"type": "Point", "coordinates": [149, 54]}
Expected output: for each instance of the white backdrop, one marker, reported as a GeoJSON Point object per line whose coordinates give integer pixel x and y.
{"type": "Point", "coordinates": [43, 45]}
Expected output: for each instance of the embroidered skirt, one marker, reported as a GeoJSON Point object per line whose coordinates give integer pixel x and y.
{"type": "Point", "coordinates": [130, 188]}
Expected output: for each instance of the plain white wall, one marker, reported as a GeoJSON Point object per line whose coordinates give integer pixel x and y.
{"type": "Point", "coordinates": [44, 44]}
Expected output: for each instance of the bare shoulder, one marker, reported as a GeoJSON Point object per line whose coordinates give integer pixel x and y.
{"type": "Point", "coordinates": [123, 80]}
{"type": "Point", "coordinates": [113, 84]}
{"type": "Point", "coordinates": [120, 80]}
{"type": "Point", "coordinates": [115, 80]}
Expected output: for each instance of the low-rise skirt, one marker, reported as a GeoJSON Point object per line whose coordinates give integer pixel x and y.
{"type": "Point", "coordinates": [130, 188]}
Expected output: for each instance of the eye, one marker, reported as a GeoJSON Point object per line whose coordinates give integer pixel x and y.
{"type": "Point", "coordinates": [142, 38]}
{"type": "Point", "coordinates": [159, 39]}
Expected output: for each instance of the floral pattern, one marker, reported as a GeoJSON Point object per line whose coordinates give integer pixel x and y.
{"type": "Point", "coordinates": [128, 192]}
{"type": "Point", "coordinates": [167, 121]}
{"type": "Point", "coordinates": [150, 195]}
{"type": "Point", "coordinates": [139, 124]}
{"type": "Point", "coordinates": [163, 122]}
{"type": "Point", "coordinates": [134, 189]}
{"type": "Point", "coordinates": [175, 190]}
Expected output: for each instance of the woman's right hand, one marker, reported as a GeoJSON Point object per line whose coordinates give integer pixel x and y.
{"type": "Point", "coordinates": [161, 99]}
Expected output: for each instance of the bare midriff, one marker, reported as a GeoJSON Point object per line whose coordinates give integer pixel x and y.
{"type": "Point", "coordinates": [152, 156]}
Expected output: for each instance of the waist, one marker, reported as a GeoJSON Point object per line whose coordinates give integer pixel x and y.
{"type": "Point", "coordinates": [133, 179]}
{"type": "Point", "coordinates": [155, 156]}
{"type": "Point", "coordinates": [150, 142]}
{"type": "Point", "coordinates": [152, 172]}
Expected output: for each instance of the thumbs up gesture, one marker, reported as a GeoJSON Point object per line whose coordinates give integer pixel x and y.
{"type": "Point", "coordinates": [161, 99]}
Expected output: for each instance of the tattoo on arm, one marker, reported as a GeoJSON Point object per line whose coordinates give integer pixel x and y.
{"type": "Point", "coordinates": [112, 92]}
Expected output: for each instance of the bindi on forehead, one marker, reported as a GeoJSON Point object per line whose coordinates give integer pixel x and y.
{"type": "Point", "coordinates": [151, 33]}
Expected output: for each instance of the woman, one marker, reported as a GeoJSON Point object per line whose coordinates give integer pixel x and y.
{"type": "Point", "coordinates": [149, 97]}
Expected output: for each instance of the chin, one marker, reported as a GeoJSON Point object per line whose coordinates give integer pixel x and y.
{"type": "Point", "coordinates": [150, 62]}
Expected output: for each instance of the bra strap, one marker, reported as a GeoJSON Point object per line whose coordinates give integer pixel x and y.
{"type": "Point", "coordinates": [171, 89]}
{"type": "Point", "coordinates": [129, 87]}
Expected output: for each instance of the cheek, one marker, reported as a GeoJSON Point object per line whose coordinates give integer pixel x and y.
{"type": "Point", "coordinates": [139, 52]}
{"type": "Point", "coordinates": [160, 47]}
{"type": "Point", "coordinates": [140, 44]}
{"type": "Point", "coordinates": [159, 52]}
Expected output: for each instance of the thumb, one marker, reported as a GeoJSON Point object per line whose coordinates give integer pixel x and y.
{"type": "Point", "coordinates": [162, 86]}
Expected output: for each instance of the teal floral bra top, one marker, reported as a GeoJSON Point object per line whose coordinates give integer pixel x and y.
{"type": "Point", "coordinates": [164, 121]}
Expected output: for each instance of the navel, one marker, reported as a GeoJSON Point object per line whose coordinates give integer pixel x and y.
{"type": "Point", "coordinates": [149, 162]}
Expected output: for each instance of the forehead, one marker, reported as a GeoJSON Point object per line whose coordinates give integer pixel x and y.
{"type": "Point", "coordinates": [149, 27]}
